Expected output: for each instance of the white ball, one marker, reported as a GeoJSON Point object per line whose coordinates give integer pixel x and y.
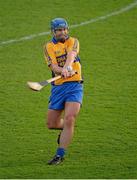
{"type": "Point", "coordinates": [69, 68]}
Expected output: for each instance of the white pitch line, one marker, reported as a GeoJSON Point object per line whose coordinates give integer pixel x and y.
{"type": "Point", "coordinates": [32, 36]}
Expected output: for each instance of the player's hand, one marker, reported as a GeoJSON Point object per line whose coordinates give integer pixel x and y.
{"type": "Point", "coordinates": [65, 73]}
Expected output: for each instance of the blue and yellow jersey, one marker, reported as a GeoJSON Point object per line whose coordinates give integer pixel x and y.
{"type": "Point", "coordinates": [56, 53]}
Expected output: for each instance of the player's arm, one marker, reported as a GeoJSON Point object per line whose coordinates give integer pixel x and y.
{"type": "Point", "coordinates": [70, 58]}
{"type": "Point", "coordinates": [56, 69]}
{"type": "Point", "coordinates": [72, 51]}
{"type": "Point", "coordinates": [51, 59]}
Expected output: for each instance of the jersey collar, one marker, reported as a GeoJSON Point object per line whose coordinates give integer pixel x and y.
{"type": "Point", "coordinates": [55, 41]}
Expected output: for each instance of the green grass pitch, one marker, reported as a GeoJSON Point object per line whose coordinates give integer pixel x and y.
{"type": "Point", "coordinates": [105, 141]}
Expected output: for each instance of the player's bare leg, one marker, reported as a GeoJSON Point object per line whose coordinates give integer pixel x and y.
{"type": "Point", "coordinates": [71, 111]}
{"type": "Point", "coordinates": [54, 119]}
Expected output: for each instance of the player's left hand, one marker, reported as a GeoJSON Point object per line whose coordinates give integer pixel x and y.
{"type": "Point", "coordinates": [65, 73]}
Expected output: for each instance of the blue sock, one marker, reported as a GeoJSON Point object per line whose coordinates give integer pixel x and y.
{"type": "Point", "coordinates": [60, 152]}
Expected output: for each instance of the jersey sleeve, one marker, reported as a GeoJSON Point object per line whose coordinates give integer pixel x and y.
{"type": "Point", "coordinates": [73, 45]}
{"type": "Point", "coordinates": [49, 54]}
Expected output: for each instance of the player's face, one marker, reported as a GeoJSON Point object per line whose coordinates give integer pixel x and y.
{"type": "Point", "coordinates": [61, 33]}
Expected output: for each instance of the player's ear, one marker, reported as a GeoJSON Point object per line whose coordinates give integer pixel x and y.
{"type": "Point", "coordinates": [67, 31]}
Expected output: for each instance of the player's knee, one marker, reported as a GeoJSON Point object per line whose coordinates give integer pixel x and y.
{"type": "Point", "coordinates": [69, 120]}
{"type": "Point", "coordinates": [49, 125]}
